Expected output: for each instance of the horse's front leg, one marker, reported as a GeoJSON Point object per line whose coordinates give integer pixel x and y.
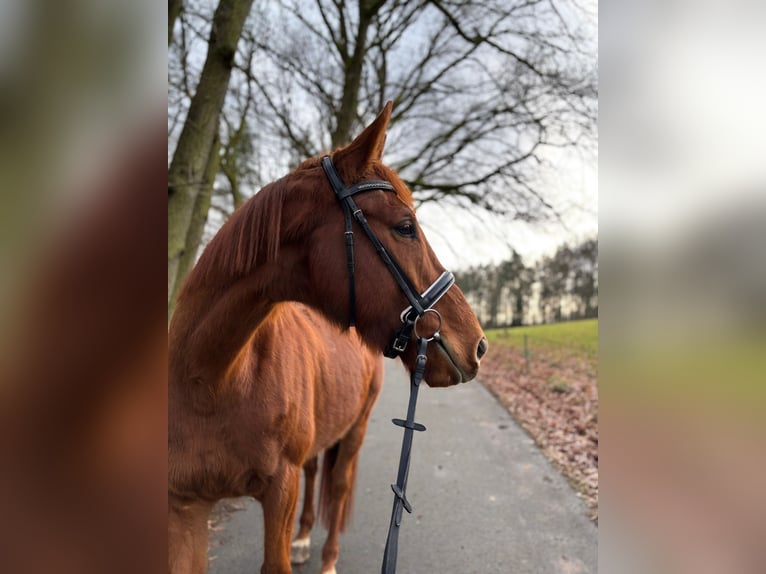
{"type": "Point", "coordinates": [280, 502]}
{"type": "Point", "coordinates": [187, 535]}
{"type": "Point", "coordinates": [301, 547]}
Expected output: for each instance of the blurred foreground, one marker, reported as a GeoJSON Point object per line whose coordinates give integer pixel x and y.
{"type": "Point", "coordinates": [82, 318]}
{"type": "Point", "coordinates": [683, 287]}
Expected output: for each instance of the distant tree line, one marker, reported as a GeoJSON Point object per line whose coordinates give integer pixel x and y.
{"type": "Point", "coordinates": [559, 287]}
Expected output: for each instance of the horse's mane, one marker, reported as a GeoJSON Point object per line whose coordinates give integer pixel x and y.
{"type": "Point", "coordinates": [250, 237]}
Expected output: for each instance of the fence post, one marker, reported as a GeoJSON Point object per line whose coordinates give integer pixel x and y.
{"type": "Point", "coordinates": [526, 351]}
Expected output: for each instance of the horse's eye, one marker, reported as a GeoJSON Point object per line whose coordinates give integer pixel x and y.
{"type": "Point", "coordinates": [406, 229]}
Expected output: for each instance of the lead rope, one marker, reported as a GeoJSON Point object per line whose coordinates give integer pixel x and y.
{"type": "Point", "coordinates": [409, 425]}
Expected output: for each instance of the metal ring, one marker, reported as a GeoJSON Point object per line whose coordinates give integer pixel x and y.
{"type": "Point", "coordinates": [436, 332]}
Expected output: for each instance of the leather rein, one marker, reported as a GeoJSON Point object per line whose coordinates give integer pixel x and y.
{"type": "Point", "coordinates": [420, 304]}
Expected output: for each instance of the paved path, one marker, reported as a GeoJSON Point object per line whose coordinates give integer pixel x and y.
{"type": "Point", "coordinates": [485, 500]}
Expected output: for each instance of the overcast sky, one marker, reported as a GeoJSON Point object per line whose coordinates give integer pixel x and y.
{"type": "Point", "coordinates": [462, 239]}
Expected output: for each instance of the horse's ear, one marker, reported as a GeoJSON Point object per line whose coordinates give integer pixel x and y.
{"type": "Point", "coordinates": [368, 146]}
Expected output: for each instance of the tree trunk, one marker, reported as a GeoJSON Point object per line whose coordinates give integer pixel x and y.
{"type": "Point", "coordinates": [352, 80]}
{"type": "Point", "coordinates": [230, 158]}
{"type": "Point", "coordinates": [186, 176]}
{"type": "Point", "coordinates": [174, 10]}
{"type": "Point", "coordinates": [198, 221]}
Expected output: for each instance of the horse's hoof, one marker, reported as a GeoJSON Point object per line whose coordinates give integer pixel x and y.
{"type": "Point", "coordinates": [330, 571]}
{"type": "Point", "coordinates": [300, 550]}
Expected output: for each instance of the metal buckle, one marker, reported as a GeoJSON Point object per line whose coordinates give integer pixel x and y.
{"type": "Point", "coordinates": [400, 346]}
{"type": "Point", "coordinates": [400, 342]}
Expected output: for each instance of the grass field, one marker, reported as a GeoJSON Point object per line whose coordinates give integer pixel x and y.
{"type": "Point", "coordinates": [575, 335]}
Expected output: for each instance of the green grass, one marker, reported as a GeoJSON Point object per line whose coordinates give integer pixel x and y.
{"type": "Point", "coordinates": [575, 335]}
{"type": "Point", "coordinates": [719, 371]}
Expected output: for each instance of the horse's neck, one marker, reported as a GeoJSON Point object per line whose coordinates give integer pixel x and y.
{"type": "Point", "coordinates": [211, 325]}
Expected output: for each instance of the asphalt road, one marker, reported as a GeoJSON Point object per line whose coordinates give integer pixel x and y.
{"type": "Point", "coordinates": [484, 498]}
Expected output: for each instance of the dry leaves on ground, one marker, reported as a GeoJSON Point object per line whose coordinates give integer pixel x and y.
{"type": "Point", "coordinates": [555, 400]}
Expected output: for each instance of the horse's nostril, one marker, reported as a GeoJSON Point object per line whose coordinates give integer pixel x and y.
{"type": "Point", "coordinates": [482, 348]}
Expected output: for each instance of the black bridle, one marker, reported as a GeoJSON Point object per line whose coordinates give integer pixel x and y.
{"type": "Point", "coordinates": [420, 304]}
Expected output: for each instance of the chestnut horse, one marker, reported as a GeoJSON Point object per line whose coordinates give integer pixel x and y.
{"type": "Point", "coordinates": [300, 386]}
{"type": "Point", "coordinates": [236, 428]}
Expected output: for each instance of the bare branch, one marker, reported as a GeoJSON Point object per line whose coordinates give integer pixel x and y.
{"type": "Point", "coordinates": [478, 39]}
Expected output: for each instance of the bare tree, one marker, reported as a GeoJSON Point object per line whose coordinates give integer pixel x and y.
{"type": "Point", "coordinates": [483, 90]}
{"type": "Point", "coordinates": [585, 278]}
{"type": "Point", "coordinates": [188, 196]}
{"type": "Point", "coordinates": [499, 293]}
{"type": "Point", "coordinates": [517, 279]}
{"type": "Point", "coordinates": [556, 274]}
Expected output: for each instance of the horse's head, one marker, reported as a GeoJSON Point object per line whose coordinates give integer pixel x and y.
{"type": "Point", "coordinates": [454, 356]}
